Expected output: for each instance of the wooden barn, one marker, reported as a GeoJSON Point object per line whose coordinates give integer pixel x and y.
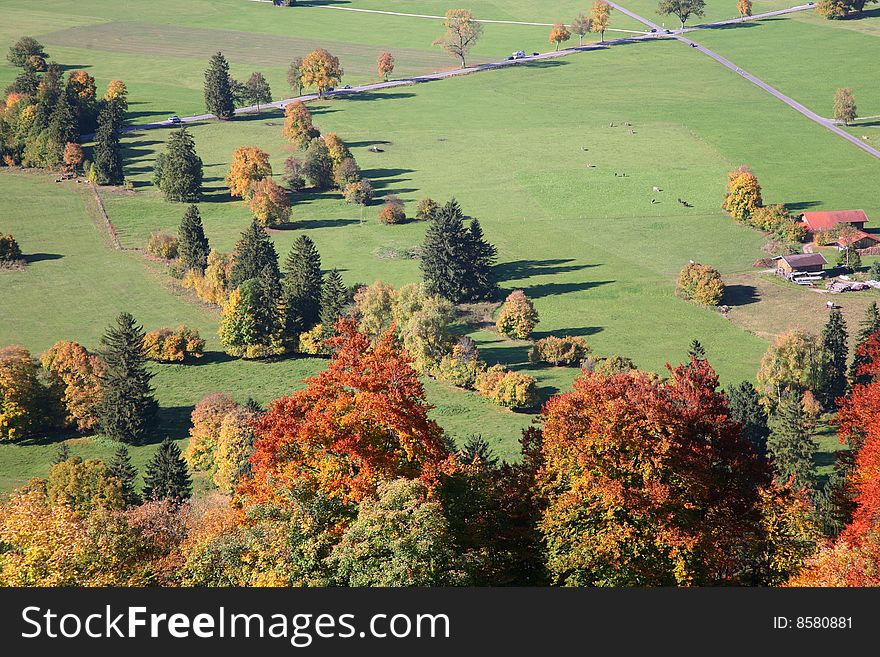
{"type": "Point", "coordinates": [800, 263]}
{"type": "Point", "coordinates": [830, 223]}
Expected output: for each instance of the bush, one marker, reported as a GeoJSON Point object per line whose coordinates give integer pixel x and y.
{"type": "Point", "coordinates": [393, 211]}
{"type": "Point", "coordinates": [162, 245]}
{"type": "Point", "coordinates": [461, 366]}
{"type": "Point", "coordinates": [207, 418]}
{"type": "Point", "coordinates": [166, 346]}
{"type": "Point", "coordinates": [567, 350]}
{"type": "Point", "coordinates": [293, 175]}
{"type": "Point", "coordinates": [312, 342]}
{"type": "Point", "coordinates": [700, 284]}
{"type": "Point", "coordinates": [506, 388]}
{"type": "Point", "coordinates": [426, 208]}
{"type": "Point", "coordinates": [211, 287]}
{"type": "Point", "coordinates": [518, 316]}
{"type": "Point", "coordinates": [360, 192]}
{"type": "Point", "coordinates": [874, 271]}
{"type": "Point", "coordinates": [610, 366]}
{"type": "Point", "coordinates": [346, 172]}
{"type": "Point", "coordinates": [269, 203]}
{"type": "Point", "coordinates": [9, 249]}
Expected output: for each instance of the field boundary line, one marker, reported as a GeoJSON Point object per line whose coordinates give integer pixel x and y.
{"type": "Point", "coordinates": [105, 219]}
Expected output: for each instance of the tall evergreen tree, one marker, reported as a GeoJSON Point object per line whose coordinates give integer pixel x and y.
{"type": "Point", "coordinates": [333, 300]}
{"type": "Point", "coordinates": [267, 307]}
{"type": "Point", "coordinates": [302, 286]}
{"type": "Point", "coordinates": [178, 171]}
{"type": "Point", "coordinates": [870, 324]}
{"type": "Point", "coordinates": [107, 164]}
{"type": "Point", "coordinates": [120, 466]}
{"type": "Point", "coordinates": [127, 411]}
{"type": "Point", "coordinates": [192, 244]}
{"type": "Point", "coordinates": [167, 477]}
{"type": "Point", "coordinates": [745, 407]}
{"type": "Point", "coordinates": [482, 256]}
{"type": "Point", "coordinates": [219, 97]}
{"type": "Point", "coordinates": [445, 254]}
{"type": "Point", "coordinates": [791, 444]}
{"type": "Point", "coordinates": [832, 377]}
{"type": "Point", "coordinates": [63, 123]}
{"type": "Point", "coordinates": [253, 253]}
{"type": "Point", "coordinates": [62, 454]}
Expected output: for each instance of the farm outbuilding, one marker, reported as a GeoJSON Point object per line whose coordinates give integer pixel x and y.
{"type": "Point", "coordinates": [824, 221]}
{"type": "Point", "coordinates": [800, 263]}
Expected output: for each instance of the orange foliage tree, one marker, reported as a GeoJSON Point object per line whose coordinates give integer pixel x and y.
{"type": "Point", "coordinates": [298, 126]}
{"type": "Point", "coordinates": [270, 203]}
{"type": "Point", "coordinates": [385, 65]}
{"type": "Point", "coordinates": [249, 164]}
{"type": "Point", "coordinates": [321, 70]}
{"type": "Point", "coordinates": [78, 373]}
{"type": "Point", "coordinates": [362, 421]}
{"type": "Point", "coordinates": [73, 156]}
{"type": "Point", "coordinates": [81, 85]}
{"type": "Point", "coordinates": [558, 34]}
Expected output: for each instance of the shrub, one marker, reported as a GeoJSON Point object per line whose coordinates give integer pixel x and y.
{"type": "Point", "coordinates": [211, 287]}
{"type": "Point", "coordinates": [360, 192]}
{"type": "Point", "coordinates": [9, 249]}
{"type": "Point", "coordinates": [393, 211]}
{"type": "Point", "coordinates": [346, 172]}
{"type": "Point", "coordinates": [506, 388]}
{"type": "Point", "coordinates": [207, 418]}
{"type": "Point", "coordinates": [559, 351]}
{"type": "Point", "coordinates": [426, 208]}
{"type": "Point", "coordinates": [874, 271]}
{"type": "Point", "coordinates": [166, 346]}
{"type": "Point", "coordinates": [700, 284]}
{"type": "Point", "coordinates": [461, 366]}
{"type": "Point", "coordinates": [312, 342]}
{"type": "Point", "coordinates": [518, 316]}
{"type": "Point", "coordinates": [162, 245]}
{"type": "Point", "coordinates": [610, 366]}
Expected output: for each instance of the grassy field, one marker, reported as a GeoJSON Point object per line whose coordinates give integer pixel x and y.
{"type": "Point", "coordinates": [559, 160]}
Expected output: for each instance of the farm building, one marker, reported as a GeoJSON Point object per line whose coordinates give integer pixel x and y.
{"type": "Point", "coordinates": [827, 225]}
{"type": "Point", "coordinates": [800, 263]}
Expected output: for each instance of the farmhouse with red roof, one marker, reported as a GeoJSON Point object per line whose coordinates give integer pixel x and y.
{"type": "Point", "coordinates": [831, 222]}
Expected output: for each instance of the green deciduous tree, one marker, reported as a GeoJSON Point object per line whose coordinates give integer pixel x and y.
{"type": "Point", "coordinates": [683, 9]}
{"type": "Point", "coordinates": [258, 90]}
{"type": "Point", "coordinates": [318, 165]}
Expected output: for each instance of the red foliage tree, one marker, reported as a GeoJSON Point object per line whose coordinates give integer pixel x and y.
{"type": "Point", "coordinates": [362, 421]}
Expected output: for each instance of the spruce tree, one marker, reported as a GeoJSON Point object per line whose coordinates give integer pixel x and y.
{"type": "Point", "coordinates": [266, 307]}
{"type": "Point", "coordinates": [253, 253]}
{"type": "Point", "coordinates": [832, 375]}
{"type": "Point", "coordinates": [334, 298]}
{"type": "Point", "coordinates": [870, 325]}
{"type": "Point", "coordinates": [167, 476]}
{"type": "Point", "coordinates": [120, 466]}
{"type": "Point", "coordinates": [178, 171]}
{"type": "Point", "coordinates": [481, 259]}
{"type": "Point", "coordinates": [107, 164]}
{"type": "Point", "coordinates": [192, 245]}
{"type": "Point", "coordinates": [745, 407]}
{"type": "Point", "coordinates": [219, 98]}
{"type": "Point", "coordinates": [63, 123]}
{"type": "Point", "coordinates": [302, 286]}
{"type": "Point", "coordinates": [445, 254]}
{"type": "Point", "coordinates": [791, 445]}
{"type": "Point", "coordinates": [127, 410]}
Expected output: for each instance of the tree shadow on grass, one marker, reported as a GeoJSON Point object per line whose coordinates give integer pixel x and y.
{"type": "Point", "coordinates": [39, 257]}
{"type": "Point", "coordinates": [309, 224]}
{"type": "Point", "coordinates": [553, 289]}
{"type": "Point", "coordinates": [173, 422]}
{"type": "Point", "coordinates": [509, 354]}
{"type": "Point", "coordinates": [800, 206]}
{"type": "Point", "coordinates": [367, 143]}
{"type": "Point", "coordinates": [378, 95]}
{"type": "Point", "coordinates": [520, 269]}
{"type": "Point", "coordinates": [582, 332]}
{"type": "Point", "coordinates": [211, 358]}
{"type": "Point", "coordinates": [50, 438]}
{"type": "Point", "coordinates": [740, 295]}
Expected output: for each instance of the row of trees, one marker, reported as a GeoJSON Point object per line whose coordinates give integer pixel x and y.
{"type": "Point", "coordinates": [841, 9]}
{"type": "Point", "coordinates": [597, 22]}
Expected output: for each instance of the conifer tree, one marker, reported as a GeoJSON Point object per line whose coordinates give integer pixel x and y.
{"type": "Point", "coordinates": [445, 254]}
{"type": "Point", "coordinates": [333, 300]}
{"type": "Point", "coordinates": [302, 286]}
{"type": "Point", "coordinates": [696, 350]}
{"type": "Point", "coordinates": [120, 466]}
{"type": "Point", "coordinates": [107, 165]}
{"type": "Point", "coordinates": [219, 98]}
{"type": "Point", "coordinates": [832, 376]}
{"type": "Point", "coordinates": [481, 258]}
{"type": "Point", "coordinates": [791, 444]}
{"type": "Point", "coordinates": [63, 124]}
{"type": "Point", "coordinates": [127, 411]}
{"type": "Point", "coordinates": [178, 171]}
{"type": "Point", "coordinates": [745, 407]}
{"type": "Point", "coordinates": [253, 253]}
{"type": "Point", "coordinates": [62, 454]}
{"type": "Point", "coordinates": [192, 244]}
{"type": "Point", "coordinates": [267, 307]}
{"type": "Point", "coordinates": [870, 324]}
{"type": "Point", "coordinates": [167, 476]}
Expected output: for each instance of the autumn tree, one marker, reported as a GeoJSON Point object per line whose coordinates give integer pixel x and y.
{"type": "Point", "coordinates": [581, 25]}
{"type": "Point", "coordinates": [298, 126]}
{"type": "Point", "coordinates": [206, 419]}
{"type": "Point", "coordinates": [252, 325]}
{"type": "Point", "coordinates": [318, 165]}
{"type": "Point", "coordinates": [78, 373]}
{"type": "Point", "coordinates": [84, 485]}
{"type": "Point", "coordinates": [362, 421]}
{"type": "Point", "coordinates": [832, 381]}
{"type": "Point", "coordinates": [26, 404]}
{"type": "Point", "coordinates": [258, 90]}
{"type": "Point", "coordinates": [254, 252]}
{"type": "Point", "coordinates": [302, 285]}
{"type": "Point", "coordinates": [166, 476]}
{"type": "Point", "coordinates": [743, 196]}
{"type": "Point", "coordinates": [178, 171]}
{"type": "Point", "coordinates": [789, 366]}
{"type": "Point", "coordinates": [73, 156]}
{"type": "Point", "coordinates": [600, 16]}
{"type": "Point", "coordinates": [249, 164]}
{"type": "Point", "coordinates": [745, 407]}
{"type": "Point", "coordinates": [392, 211]}
{"type": "Point", "coordinates": [235, 444]}
{"type": "Point", "coordinates": [120, 466]}
{"type": "Point", "coordinates": [558, 34]}
{"type": "Point", "coordinates": [107, 165]}
{"type": "Point", "coordinates": [116, 95]}
{"type": "Point", "coordinates": [683, 9]}
{"type": "Point", "coordinates": [791, 445]}
{"type": "Point", "coordinates": [293, 175]}
{"type": "Point", "coordinates": [219, 99]}
{"type": "Point", "coordinates": [385, 65]}
{"type": "Point", "coordinates": [518, 316]}
{"type": "Point", "coordinates": [462, 32]}
{"type": "Point", "coordinates": [294, 76]}
{"type": "Point", "coordinates": [700, 284]}
{"type": "Point", "coordinates": [192, 243]}
{"type": "Point", "coordinates": [870, 324]}
{"type": "Point", "coordinates": [648, 482]}
{"type": "Point", "coordinates": [845, 106]}
{"type": "Point", "coordinates": [269, 203]}
{"type": "Point", "coordinates": [321, 70]}
{"type": "Point", "coordinates": [21, 52]}
{"type": "Point", "coordinates": [744, 7]}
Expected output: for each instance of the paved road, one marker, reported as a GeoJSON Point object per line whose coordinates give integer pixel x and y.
{"type": "Point", "coordinates": [678, 34]}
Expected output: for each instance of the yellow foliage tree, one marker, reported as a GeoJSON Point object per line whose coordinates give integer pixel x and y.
{"type": "Point", "coordinates": [743, 195]}
{"type": "Point", "coordinates": [700, 284]}
{"type": "Point", "coordinates": [269, 203]}
{"type": "Point", "coordinates": [600, 16]}
{"type": "Point", "coordinates": [249, 164]}
{"type": "Point", "coordinates": [321, 70]}
{"type": "Point", "coordinates": [298, 127]}
{"type": "Point", "coordinates": [558, 34]}
{"type": "Point", "coordinates": [518, 316]}
{"type": "Point", "coordinates": [78, 374]}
